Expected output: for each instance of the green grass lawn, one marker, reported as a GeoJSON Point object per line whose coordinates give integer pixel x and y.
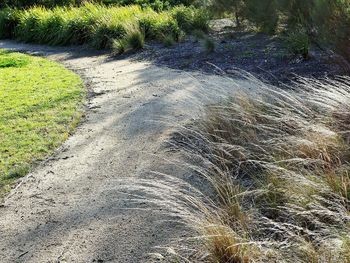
{"type": "Point", "coordinates": [40, 104]}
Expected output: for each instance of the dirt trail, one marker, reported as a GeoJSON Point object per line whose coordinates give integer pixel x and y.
{"type": "Point", "coordinates": [72, 208]}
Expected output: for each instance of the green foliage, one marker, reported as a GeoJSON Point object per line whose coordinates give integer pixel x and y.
{"type": "Point", "coordinates": [198, 34]}
{"type": "Point", "coordinates": [298, 43]}
{"type": "Point", "coordinates": [333, 19]}
{"type": "Point", "coordinates": [209, 45]}
{"type": "Point", "coordinates": [47, 3]}
{"type": "Point", "coordinates": [7, 61]}
{"type": "Point", "coordinates": [156, 25]}
{"type": "Point", "coordinates": [266, 14]}
{"type": "Point", "coordinates": [95, 24]}
{"type": "Point", "coordinates": [235, 7]}
{"type": "Point", "coordinates": [8, 22]}
{"type": "Point", "coordinates": [157, 5]}
{"type": "Point", "coordinates": [297, 12]}
{"type": "Point", "coordinates": [191, 18]}
{"type": "Point", "coordinates": [134, 39]}
{"type": "Point", "coordinates": [263, 13]}
{"type": "Point", "coordinates": [119, 46]}
{"type": "Point", "coordinates": [168, 41]}
{"type": "Point", "coordinates": [39, 106]}
{"type": "Point", "coordinates": [326, 21]}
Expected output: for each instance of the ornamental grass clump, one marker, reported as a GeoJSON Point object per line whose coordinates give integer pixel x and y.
{"type": "Point", "coordinates": [277, 163]}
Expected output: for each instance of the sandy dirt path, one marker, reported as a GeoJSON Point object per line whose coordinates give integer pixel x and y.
{"type": "Point", "coordinates": [72, 208]}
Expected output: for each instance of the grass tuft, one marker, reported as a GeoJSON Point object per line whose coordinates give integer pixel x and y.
{"type": "Point", "coordinates": [209, 45]}
{"type": "Point", "coordinates": [97, 25]}
{"type": "Point", "coordinates": [278, 163]}
{"type": "Point", "coordinates": [225, 246]}
{"type": "Point", "coordinates": [299, 43]}
{"type": "Point", "coordinates": [134, 40]}
{"type": "Point", "coordinates": [168, 41]}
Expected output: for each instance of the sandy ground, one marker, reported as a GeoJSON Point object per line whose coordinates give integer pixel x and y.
{"type": "Point", "coordinates": [74, 206]}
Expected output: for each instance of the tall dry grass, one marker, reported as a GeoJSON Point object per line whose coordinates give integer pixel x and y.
{"type": "Point", "coordinates": [277, 162]}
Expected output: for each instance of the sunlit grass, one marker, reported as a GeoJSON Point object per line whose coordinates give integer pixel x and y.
{"type": "Point", "coordinates": [39, 106]}
{"type": "Point", "coordinates": [97, 25]}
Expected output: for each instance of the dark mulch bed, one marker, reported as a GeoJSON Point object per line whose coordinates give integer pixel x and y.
{"type": "Point", "coordinates": [265, 56]}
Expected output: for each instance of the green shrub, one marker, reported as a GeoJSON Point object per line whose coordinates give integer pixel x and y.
{"type": "Point", "coordinates": [47, 3]}
{"type": "Point", "coordinates": [94, 24]}
{"type": "Point", "coordinates": [8, 22]}
{"type": "Point", "coordinates": [209, 45]}
{"type": "Point", "coordinates": [119, 46]}
{"type": "Point", "coordinates": [157, 5]}
{"type": "Point", "coordinates": [29, 28]}
{"type": "Point", "coordinates": [156, 25]}
{"type": "Point", "coordinates": [263, 13]}
{"type": "Point", "coordinates": [297, 12]}
{"type": "Point", "coordinates": [104, 34]}
{"type": "Point", "coordinates": [298, 43]}
{"type": "Point", "coordinates": [332, 18]}
{"type": "Point", "coordinates": [135, 39]}
{"type": "Point", "coordinates": [76, 31]}
{"type": "Point", "coordinates": [191, 18]}
{"type": "Point", "coordinates": [198, 34]}
{"type": "Point", "coordinates": [168, 41]}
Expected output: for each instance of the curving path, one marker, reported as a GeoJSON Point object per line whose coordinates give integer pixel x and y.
{"type": "Point", "coordinates": [73, 207]}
